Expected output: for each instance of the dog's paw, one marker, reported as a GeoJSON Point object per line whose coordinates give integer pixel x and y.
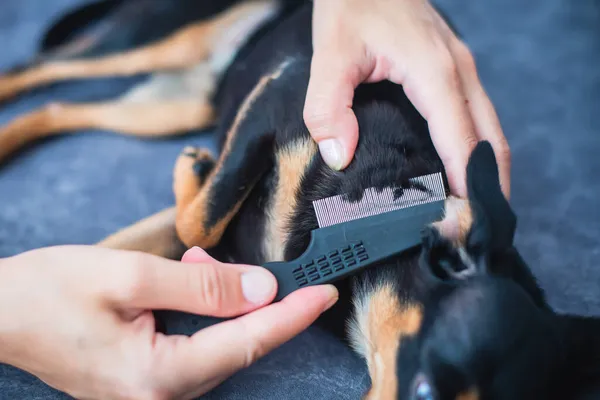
{"type": "Point", "coordinates": [191, 170]}
{"type": "Point", "coordinates": [203, 165]}
{"type": "Point", "coordinates": [203, 161]}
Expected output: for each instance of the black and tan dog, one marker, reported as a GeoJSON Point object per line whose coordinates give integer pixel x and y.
{"type": "Point", "coordinates": [461, 317]}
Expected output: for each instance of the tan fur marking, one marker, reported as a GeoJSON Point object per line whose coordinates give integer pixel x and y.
{"type": "Point", "coordinates": [471, 394]}
{"type": "Point", "coordinates": [146, 120]}
{"type": "Point", "coordinates": [191, 215]}
{"type": "Point", "coordinates": [154, 235]}
{"type": "Point", "coordinates": [245, 107]}
{"type": "Point", "coordinates": [190, 222]}
{"type": "Point", "coordinates": [457, 221]}
{"type": "Point", "coordinates": [292, 162]}
{"type": "Point", "coordinates": [182, 49]}
{"type": "Point", "coordinates": [387, 322]}
{"type": "Point", "coordinates": [186, 183]}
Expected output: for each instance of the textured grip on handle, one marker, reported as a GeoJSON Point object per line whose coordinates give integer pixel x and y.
{"type": "Point", "coordinates": [323, 268]}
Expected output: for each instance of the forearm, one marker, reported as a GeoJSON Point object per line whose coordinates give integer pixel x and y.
{"type": "Point", "coordinates": [8, 311]}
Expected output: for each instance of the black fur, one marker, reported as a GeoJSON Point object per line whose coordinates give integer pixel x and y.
{"type": "Point", "coordinates": [491, 330]}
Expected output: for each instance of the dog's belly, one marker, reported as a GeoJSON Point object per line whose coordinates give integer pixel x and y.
{"type": "Point", "coordinates": [288, 37]}
{"type": "Point", "coordinates": [201, 80]}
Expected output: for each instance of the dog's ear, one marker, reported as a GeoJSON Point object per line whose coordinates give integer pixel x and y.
{"type": "Point", "coordinates": [442, 259]}
{"type": "Point", "coordinates": [473, 230]}
{"type": "Point", "coordinates": [494, 222]}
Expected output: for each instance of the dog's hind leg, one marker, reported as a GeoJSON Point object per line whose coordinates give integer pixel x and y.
{"type": "Point", "coordinates": [145, 119]}
{"type": "Point", "coordinates": [184, 48]}
{"type": "Point", "coordinates": [207, 202]}
{"type": "Point", "coordinates": [155, 235]}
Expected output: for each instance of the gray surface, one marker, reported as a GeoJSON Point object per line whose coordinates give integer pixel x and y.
{"type": "Point", "coordinates": [539, 61]}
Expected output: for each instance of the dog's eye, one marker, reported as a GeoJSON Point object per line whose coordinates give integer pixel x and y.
{"type": "Point", "coordinates": [423, 390]}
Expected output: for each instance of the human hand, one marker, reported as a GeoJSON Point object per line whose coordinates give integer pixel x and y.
{"type": "Point", "coordinates": [79, 318]}
{"type": "Point", "coordinates": [408, 43]}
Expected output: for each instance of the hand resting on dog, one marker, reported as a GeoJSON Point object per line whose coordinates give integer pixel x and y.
{"type": "Point", "coordinates": [408, 43]}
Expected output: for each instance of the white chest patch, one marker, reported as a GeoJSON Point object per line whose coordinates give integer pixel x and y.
{"type": "Point", "coordinates": [230, 40]}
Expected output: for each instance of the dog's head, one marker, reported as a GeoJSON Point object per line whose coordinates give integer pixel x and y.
{"type": "Point", "coordinates": [485, 331]}
{"type": "Point", "coordinates": [479, 327]}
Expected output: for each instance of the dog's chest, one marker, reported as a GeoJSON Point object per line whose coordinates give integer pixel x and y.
{"type": "Point", "coordinates": [291, 164]}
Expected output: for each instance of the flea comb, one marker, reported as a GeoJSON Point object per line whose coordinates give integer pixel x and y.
{"type": "Point", "coordinates": [355, 235]}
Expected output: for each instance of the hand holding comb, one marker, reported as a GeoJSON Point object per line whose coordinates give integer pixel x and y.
{"type": "Point", "coordinates": [354, 236]}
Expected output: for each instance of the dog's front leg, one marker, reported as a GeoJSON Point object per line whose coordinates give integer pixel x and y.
{"type": "Point", "coordinates": [207, 197]}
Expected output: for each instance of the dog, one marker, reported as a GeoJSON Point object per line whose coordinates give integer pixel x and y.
{"type": "Point", "coordinates": [460, 317]}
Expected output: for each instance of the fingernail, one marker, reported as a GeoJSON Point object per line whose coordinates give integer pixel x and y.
{"type": "Point", "coordinates": [332, 153]}
{"type": "Point", "coordinates": [257, 286]}
{"type": "Point", "coordinates": [334, 296]}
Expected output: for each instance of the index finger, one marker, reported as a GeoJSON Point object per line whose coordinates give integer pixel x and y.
{"type": "Point", "coordinates": [482, 110]}
{"type": "Point", "coordinates": [434, 88]}
{"type": "Point", "coordinates": [205, 288]}
{"type": "Point", "coordinates": [213, 354]}
{"type": "Point", "coordinates": [328, 113]}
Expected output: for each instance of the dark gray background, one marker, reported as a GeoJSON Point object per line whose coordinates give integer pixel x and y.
{"type": "Point", "coordinates": [539, 61]}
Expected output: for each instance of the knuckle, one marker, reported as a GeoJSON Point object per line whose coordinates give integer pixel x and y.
{"type": "Point", "coordinates": [210, 288]}
{"type": "Point", "coordinates": [313, 114]}
{"type": "Point", "coordinates": [503, 151]}
{"type": "Point", "coordinates": [330, 88]}
{"type": "Point", "coordinates": [132, 279]}
{"type": "Point", "coordinates": [471, 142]}
{"type": "Point", "coordinates": [464, 57]}
{"type": "Point", "coordinates": [253, 353]}
{"type": "Point", "coordinates": [315, 118]}
{"type": "Point", "coordinates": [448, 67]}
{"type": "Point", "coordinates": [255, 349]}
{"type": "Point", "coordinates": [311, 118]}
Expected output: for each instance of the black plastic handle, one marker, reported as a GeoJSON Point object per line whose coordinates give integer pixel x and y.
{"type": "Point", "coordinates": [337, 251]}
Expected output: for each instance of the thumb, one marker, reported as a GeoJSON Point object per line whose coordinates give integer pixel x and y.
{"type": "Point", "coordinates": [199, 285]}
{"type": "Point", "coordinates": [328, 113]}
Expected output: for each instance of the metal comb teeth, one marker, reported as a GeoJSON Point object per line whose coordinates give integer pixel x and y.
{"type": "Point", "coordinates": [337, 209]}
